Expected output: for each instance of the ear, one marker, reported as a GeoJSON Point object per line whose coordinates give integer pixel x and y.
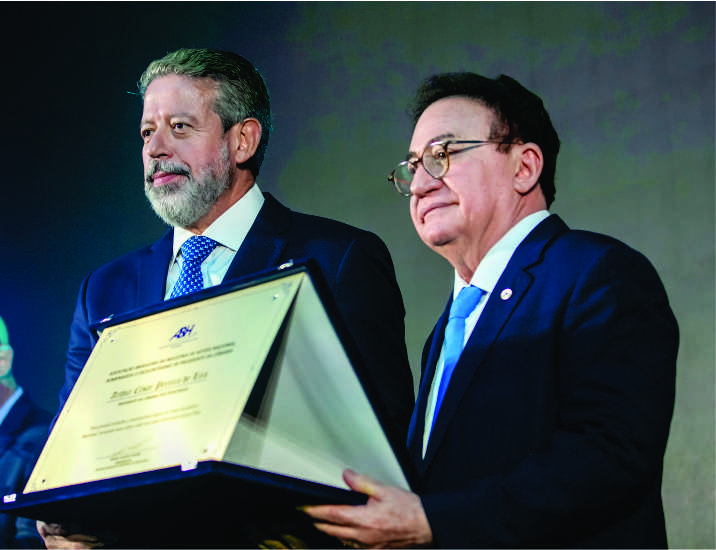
{"type": "Point", "coordinates": [244, 139]}
{"type": "Point", "coordinates": [528, 167]}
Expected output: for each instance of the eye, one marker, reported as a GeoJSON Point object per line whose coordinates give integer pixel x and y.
{"type": "Point", "coordinates": [180, 126]}
{"type": "Point", "coordinates": [438, 152]}
{"type": "Point", "coordinates": [145, 133]}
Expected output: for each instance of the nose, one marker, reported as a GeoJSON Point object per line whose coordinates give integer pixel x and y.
{"type": "Point", "coordinates": [157, 145]}
{"type": "Point", "coordinates": [423, 183]}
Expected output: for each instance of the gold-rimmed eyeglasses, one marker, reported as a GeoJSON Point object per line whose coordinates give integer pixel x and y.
{"type": "Point", "coordinates": [435, 159]}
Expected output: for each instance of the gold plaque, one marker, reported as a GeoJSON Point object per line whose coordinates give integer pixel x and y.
{"type": "Point", "coordinates": [171, 389]}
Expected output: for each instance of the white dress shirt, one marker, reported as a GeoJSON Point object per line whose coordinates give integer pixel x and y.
{"type": "Point", "coordinates": [486, 275]}
{"type": "Point", "coordinates": [229, 230]}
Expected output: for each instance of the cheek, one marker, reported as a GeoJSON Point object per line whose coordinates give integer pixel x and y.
{"type": "Point", "coordinates": [413, 212]}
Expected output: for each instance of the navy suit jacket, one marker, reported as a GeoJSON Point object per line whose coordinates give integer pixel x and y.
{"type": "Point", "coordinates": [355, 263]}
{"type": "Point", "coordinates": [22, 436]}
{"type": "Point", "coordinates": [553, 429]}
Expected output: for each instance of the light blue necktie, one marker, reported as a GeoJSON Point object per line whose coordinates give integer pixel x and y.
{"type": "Point", "coordinates": [194, 251]}
{"type": "Point", "coordinates": [461, 307]}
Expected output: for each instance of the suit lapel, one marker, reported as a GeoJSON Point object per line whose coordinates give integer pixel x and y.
{"type": "Point", "coordinates": [264, 242]}
{"type": "Point", "coordinates": [152, 276]}
{"type": "Point", "coordinates": [417, 421]}
{"type": "Point", "coordinates": [491, 321]}
{"type": "Point", "coordinates": [502, 303]}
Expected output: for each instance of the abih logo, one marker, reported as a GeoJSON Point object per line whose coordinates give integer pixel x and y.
{"type": "Point", "coordinates": [182, 335]}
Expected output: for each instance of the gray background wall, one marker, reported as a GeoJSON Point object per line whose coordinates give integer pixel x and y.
{"type": "Point", "coordinates": [630, 87]}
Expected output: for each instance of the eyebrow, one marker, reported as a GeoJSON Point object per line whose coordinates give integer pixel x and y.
{"type": "Point", "coordinates": [441, 137]}
{"type": "Point", "coordinates": [191, 118]}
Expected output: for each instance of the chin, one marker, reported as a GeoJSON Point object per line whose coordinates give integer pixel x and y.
{"type": "Point", "coordinates": [435, 238]}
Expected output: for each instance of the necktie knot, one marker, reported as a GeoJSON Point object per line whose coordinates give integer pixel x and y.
{"type": "Point", "coordinates": [465, 302]}
{"type": "Point", "coordinates": [197, 249]}
{"type": "Point", "coordinates": [194, 251]}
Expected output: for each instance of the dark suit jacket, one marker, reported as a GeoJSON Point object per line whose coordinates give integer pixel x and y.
{"type": "Point", "coordinates": [355, 263]}
{"type": "Point", "coordinates": [553, 430]}
{"type": "Point", "coordinates": [22, 436]}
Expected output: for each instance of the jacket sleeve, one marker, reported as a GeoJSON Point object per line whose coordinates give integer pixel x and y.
{"type": "Point", "coordinates": [367, 293]}
{"type": "Point", "coordinates": [79, 347]}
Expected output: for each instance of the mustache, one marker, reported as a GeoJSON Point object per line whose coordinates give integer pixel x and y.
{"type": "Point", "coordinates": [167, 167]}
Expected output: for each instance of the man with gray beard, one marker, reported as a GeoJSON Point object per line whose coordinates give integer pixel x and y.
{"type": "Point", "coordinates": [205, 128]}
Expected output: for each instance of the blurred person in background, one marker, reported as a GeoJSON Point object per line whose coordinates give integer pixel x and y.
{"type": "Point", "coordinates": [23, 431]}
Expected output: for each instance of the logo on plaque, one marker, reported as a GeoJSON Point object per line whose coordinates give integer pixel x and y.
{"type": "Point", "coordinates": [180, 335]}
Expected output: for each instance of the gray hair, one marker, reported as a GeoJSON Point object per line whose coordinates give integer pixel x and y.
{"type": "Point", "coordinates": [242, 92]}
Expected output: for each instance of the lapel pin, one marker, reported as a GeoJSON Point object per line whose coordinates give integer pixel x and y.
{"type": "Point", "coordinates": [506, 294]}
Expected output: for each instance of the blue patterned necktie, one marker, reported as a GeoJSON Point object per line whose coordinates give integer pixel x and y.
{"type": "Point", "coordinates": [194, 251]}
{"type": "Point", "coordinates": [460, 310]}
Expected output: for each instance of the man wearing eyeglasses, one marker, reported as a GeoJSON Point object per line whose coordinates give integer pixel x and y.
{"type": "Point", "coordinates": [23, 431]}
{"type": "Point", "coordinates": [548, 383]}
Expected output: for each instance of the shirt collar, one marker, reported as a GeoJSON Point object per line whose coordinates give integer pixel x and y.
{"type": "Point", "coordinates": [490, 269]}
{"type": "Point", "coordinates": [232, 226]}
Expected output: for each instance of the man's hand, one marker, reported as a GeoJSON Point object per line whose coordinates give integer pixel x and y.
{"type": "Point", "coordinates": [392, 517]}
{"type": "Point", "coordinates": [55, 535]}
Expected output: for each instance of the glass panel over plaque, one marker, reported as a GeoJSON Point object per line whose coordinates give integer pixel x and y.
{"type": "Point", "coordinates": [164, 390]}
